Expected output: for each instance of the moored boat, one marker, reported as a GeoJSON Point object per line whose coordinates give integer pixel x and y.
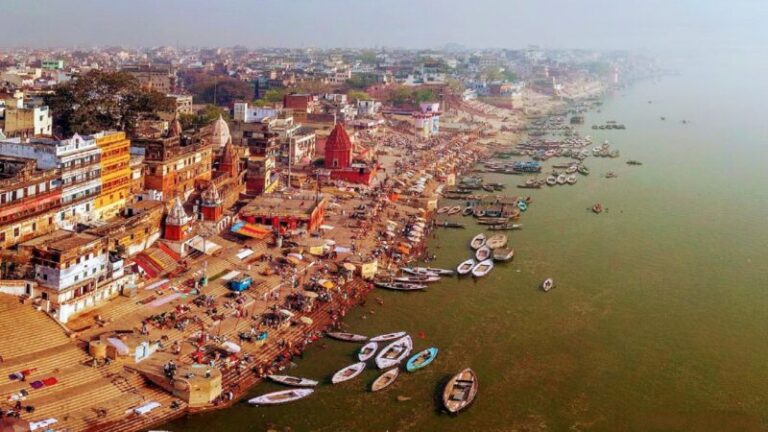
{"type": "Point", "coordinates": [460, 390]}
{"type": "Point", "coordinates": [478, 241]}
{"type": "Point", "coordinates": [442, 210]}
{"type": "Point", "coordinates": [417, 279]}
{"type": "Point", "coordinates": [388, 336]}
{"type": "Point", "coordinates": [367, 351]}
{"type": "Point", "coordinates": [467, 211]}
{"type": "Point", "coordinates": [293, 381]}
{"type": "Point", "coordinates": [583, 170]}
{"type": "Point", "coordinates": [280, 397]}
{"type": "Point", "coordinates": [347, 373]}
{"type": "Point", "coordinates": [551, 181]}
{"type": "Point", "coordinates": [522, 205]}
{"type": "Point", "coordinates": [453, 210]}
{"type": "Point", "coordinates": [394, 353]}
{"type": "Point", "coordinates": [571, 179]}
{"type": "Point", "coordinates": [561, 179]}
{"type": "Point", "coordinates": [418, 271]}
{"type": "Point", "coordinates": [503, 254]}
{"type": "Point", "coordinates": [347, 337]}
{"type": "Point", "coordinates": [505, 227]}
{"type": "Point", "coordinates": [548, 284]}
{"type": "Point", "coordinates": [482, 268]}
{"type": "Point", "coordinates": [497, 241]}
{"type": "Point", "coordinates": [421, 359]}
{"type": "Point", "coordinates": [385, 380]}
{"type": "Point", "coordinates": [438, 271]}
{"type": "Point", "coordinates": [399, 286]}
{"type": "Point", "coordinates": [466, 266]}
{"type": "Point", "coordinates": [597, 208]}
{"type": "Point", "coordinates": [483, 253]}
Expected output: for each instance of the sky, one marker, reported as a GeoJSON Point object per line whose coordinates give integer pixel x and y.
{"type": "Point", "coordinates": [591, 24]}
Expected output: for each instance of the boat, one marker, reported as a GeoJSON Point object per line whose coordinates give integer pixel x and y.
{"type": "Point", "coordinates": [442, 210]}
{"type": "Point", "coordinates": [347, 337]}
{"type": "Point", "coordinates": [478, 241]}
{"type": "Point", "coordinates": [347, 373]}
{"type": "Point", "coordinates": [571, 169]}
{"type": "Point", "coordinates": [483, 253]}
{"type": "Point", "coordinates": [399, 286]}
{"type": "Point", "coordinates": [293, 381]}
{"type": "Point", "coordinates": [438, 271]}
{"type": "Point", "coordinates": [467, 211]}
{"type": "Point", "coordinates": [460, 390]}
{"type": "Point", "coordinates": [492, 220]}
{"type": "Point", "coordinates": [551, 181]}
{"type": "Point", "coordinates": [421, 359]}
{"type": "Point", "coordinates": [388, 336]}
{"type": "Point", "coordinates": [597, 208]}
{"type": "Point", "coordinates": [497, 241]}
{"type": "Point", "coordinates": [394, 353]}
{"type": "Point", "coordinates": [417, 279]}
{"type": "Point", "coordinates": [385, 380]}
{"type": "Point", "coordinates": [453, 210]}
{"type": "Point", "coordinates": [418, 271]}
{"type": "Point", "coordinates": [571, 179]}
{"type": "Point", "coordinates": [367, 351]}
{"type": "Point", "coordinates": [561, 179]}
{"type": "Point", "coordinates": [611, 174]}
{"type": "Point", "coordinates": [522, 205]}
{"type": "Point", "coordinates": [482, 268]}
{"type": "Point", "coordinates": [583, 170]}
{"type": "Point", "coordinates": [634, 162]}
{"type": "Point", "coordinates": [505, 227]}
{"type": "Point", "coordinates": [447, 224]}
{"type": "Point", "coordinates": [477, 212]}
{"type": "Point", "coordinates": [465, 267]}
{"type": "Point", "coordinates": [280, 397]}
{"type": "Point", "coordinates": [548, 284]}
{"type": "Point", "coordinates": [503, 254]}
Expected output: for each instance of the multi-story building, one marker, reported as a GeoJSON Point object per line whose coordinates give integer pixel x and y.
{"type": "Point", "coordinates": [157, 77]}
{"type": "Point", "coordinates": [116, 174]}
{"type": "Point", "coordinates": [27, 120]}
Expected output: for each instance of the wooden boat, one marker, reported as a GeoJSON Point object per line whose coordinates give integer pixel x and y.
{"type": "Point", "coordinates": [347, 337]}
{"type": "Point", "coordinates": [453, 210]}
{"type": "Point", "coordinates": [280, 397]}
{"type": "Point", "coordinates": [399, 286]}
{"type": "Point", "coordinates": [571, 169]}
{"type": "Point", "coordinates": [522, 205]}
{"type": "Point", "coordinates": [482, 268]}
{"type": "Point", "coordinates": [421, 359]}
{"type": "Point", "coordinates": [367, 351]}
{"type": "Point", "coordinates": [483, 253]}
{"type": "Point", "coordinates": [571, 179]}
{"type": "Point", "coordinates": [388, 337]}
{"type": "Point", "coordinates": [548, 284]}
{"type": "Point", "coordinates": [551, 181]}
{"type": "Point", "coordinates": [385, 380]}
{"type": "Point", "coordinates": [597, 208]}
{"type": "Point", "coordinates": [442, 210]}
{"type": "Point", "coordinates": [447, 224]}
{"type": "Point", "coordinates": [418, 271]}
{"type": "Point", "coordinates": [478, 241]}
{"type": "Point", "coordinates": [497, 241]}
{"type": "Point", "coordinates": [460, 391]}
{"type": "Point", "coordinates": [467, 211]}
{"type": "Point", "coordinates": [439, 271]}
{"type": "Point", "coordinates": [505, 227]}
{"type": "Point", "coordinates": [417, 279]}
{"type": "Point", "coordinates": [347, 373]}
{"type": "Point", "coordinates": [394, 353]}
{"type": "Point", "coordinates": [583, 170]}
{"type": "Point", "coordinates": [478, 212]}
{"type": "Point", "coordinates": [293, 381]}
{"type": "Point", "coordinates": [466, 267]}
{"type": "Point", "coordinates": [492, 220]}
{"type": "Point", "coordinates": [503, 254]}
{"type": "Point", "coordinates": [561, 179]}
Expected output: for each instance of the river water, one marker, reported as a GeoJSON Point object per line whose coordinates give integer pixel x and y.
{"type": "Point", "coordinates": [659, 320]}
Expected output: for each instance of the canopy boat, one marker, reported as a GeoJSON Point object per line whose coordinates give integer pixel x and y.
{"type": "Point", "coordinates": [497, 241]}
{"type": "Point", "coordinates": [482, 268]}
{"type": "Point", "coordinates": [348, 373]}
{"type": "Point", "coordinates": [478, 241]}
{"type": "Point", "coordinates": [399, 286]}
{"type": "Point", "coordinates": [466, 267]}
{"type": "Point", "coordinates": [551, 180]}
{"type": "Point", "coordinates": [503, 254]}
{"type": "Point", "coordinates": [388, 337]}
{"type": "Point", "coordinates": [385, 380]}
{"type": "Point", "coordinates": [505, 227]}
{"type": "Point", "coordinates": [453, 210]}
{"type": "Point", "coordinates": [394, 353]}
{"type": "Point", "coordinates": [293, 381]}
{"type": "Point", "coordinates": [367, 351]}
{"type": "Point", "coordinates": [561, 179]}
{"type": "Point", "coordinates": [467, 211]}
{"type": "Point", "coordinates": [483, 253]}
{"type": "Point", "coordinates": [571, 179]}
{"type": "Point", "coordinates": [442, 210]}
{"type": "Point", "coordinates": [548, 284]}
{"type": "Point", "coordinates": [417, 279]}
{"type": "Point", "coordinates": [347, 337]}
{"type": "Point", "coordinates": [280, 397]}
{"type": "Point", "coordinates": [460, 391]}
{"type": "Point", "coordinates": [421, 359]}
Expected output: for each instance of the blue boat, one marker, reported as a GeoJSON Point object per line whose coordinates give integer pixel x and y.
{"type": "Point", "coordinates": [421, 359]}
{"type": "Point", "coordinates": [522, 205]}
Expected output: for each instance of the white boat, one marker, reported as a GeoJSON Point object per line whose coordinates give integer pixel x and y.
{"type": "Point", "coordinates": [417, 279]}
{"type": "Point", "coordinates": [399, 286]}
{"type": "Point", "coordinates": [548, 284]}
{"type": "Point", "coordinates": [347, 337]}
{"type": "Point", "coordinates": [367, 351]}
{"type": "Point", "coordinates": [561, 179]}
{"type": "Point", "coordinates": [280, 397]}
{"type": "Point", "coordinates": [482, 268]}
{"type": "Point", "coordinates": [483, 253]}
{"type": "Point", "coordinates": [571, 179]}
{"type": "Point", "coordinates": [385, 379]}
{"type": "Point", "coordinates": [394, 353]}
{"type": "Point", "coordinates": [293, 381]}
{"type": "Point", "coordinates": [440, 271]}
{"type": "Point", "coordinates": [388, 337]}
{"type": "Point", "coordinates": [466, 267]}
{"type": "Point", "coordinates": [551, 180]}
{"type": "Point", "coordinates": [497, 241]}
{"type": "Point", "coordinates": [442, 210]}
{"type": "Point", "coordinates": [478, 241]}
{"type": "Point", "coordinates": [418, 271]}
{"type": "Point", "coordinates": [348, 373]}
{"type": "Point", "coordinates": [453, 210]}
{"type": "Point", "coordinates": [503, 254]}
{"type": "Point", "coordinates": [467, 211]}
{"type": "Point", "coordinates": [571, 169]}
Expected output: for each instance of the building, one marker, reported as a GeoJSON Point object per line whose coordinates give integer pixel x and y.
{"type": "Point", "coordinates": [339, 159]}
{"type": "Point", "coordinates": [183, 103]}
{"type": "Point", "coordinates": [286, 212]}
{"type": "Point", "coordinates": [157, 77]}
{"type": "Point", "coordinates": [134, 230]}
{"type": "Point", "coordinates": [52, 64]}
{"type": "Point", "coordinates": [27, 121]}
{"type": "Point", "coordinates": [116, 173]}
{"type": "Point", "coordinates": [300, 103]}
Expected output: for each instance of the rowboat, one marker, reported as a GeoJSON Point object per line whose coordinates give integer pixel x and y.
{"type": "Point", "coordinates": [419, 271]}
{"type": "Point", "coordinates": [399, 286]}
{"type": "Point", "coordinates": [571, 169]}
{"type": "Point", "coordinates": [348, 373]}
{"type": "Point", "coordinates": [492, 220]}
{"type": "Point", "coordinates": [561, 179]}
{"type": "Point", "coordinates": [505, 227]}
{"type": "Point", "coordinates": [460, 390]}
{"type": "Point", "coordinates": [522, 205]}
{"type": "Point", "coordinates": [347, 337]}
{"type": "Point", "coordinates": [497, 241]}
{"type": "Point", "coordinates": [503, 254]}
{"type": "Point", "coordinates": [417, 279]}
{"type": "Point", "coordinates": [483, 253]}
{"type": "Point", "coordinates": [467, 211]}
{"type": "Point", "coordinates": [551, 180]}
{"type": "Point", "coordinates": [597, 208]}
{"type": "Point", "coordinates": [394, 353]}
{"type": "Point", "coordinates": [466, 267]}
{"type": "Point", "coordinates": [478, 212]}
{"type": "Point", "coordinates": [421, 359]}
{"type": "Point", "coordinates": [367, 351]}
{"type": "Point", "coordinates": [453, 210]}
{"type": "Point", "coordinates": [293, 381]}
{"type": "Point", "coordinates": [548, 284]}
{"type": "Point", "coordinates": [482, 268]}
{"type": "Point", "coordinates": [442, 210]}
{"type": "Point", "coordinates": [385, 380]}
{"type": "Point", "coordinates": [478, 241]}
{"type": "Point", "coordinates": [388, 337]}
{"type": "Point", "coordinates": [583, 170]}
{"type": "Point", "coordinates": [280, 397]}
{"type": "Point", "coordinates": [571, 179]}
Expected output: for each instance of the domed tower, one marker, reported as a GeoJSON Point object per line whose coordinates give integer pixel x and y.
{"type": "Point", "coordinates": [177, 222]}
{"type": "Point", "coordinates": [220, 135]}
{"type": "Point", "coordinates": [212, 204]}
{"type": "Point", "coordinates": [229, 162]}
{"type": "Point", "coordinates": [338, 149]}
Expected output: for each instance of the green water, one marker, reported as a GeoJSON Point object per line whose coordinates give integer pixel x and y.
{"type": "Point", "coordinates": [659, 321]}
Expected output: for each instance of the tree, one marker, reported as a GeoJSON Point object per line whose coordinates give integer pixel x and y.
{"type": "Point", "coordinates": [217, 89]}
{"type": "Point", "coordinates": [357, 95]}
{"type": "Point", "coordinates": [204, 117]}
{"type": "Point", "coordinates": [362, 81]}
{"type": "Point", "coordinates": [424, 95]}
{"type": "Point", "coordinates": [102, 100]}
{"type": "Point", "coordinates": [274, 95]}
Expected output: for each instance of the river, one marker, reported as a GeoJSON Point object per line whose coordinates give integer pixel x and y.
{"type": "Point", "coordinates": [659, 320]}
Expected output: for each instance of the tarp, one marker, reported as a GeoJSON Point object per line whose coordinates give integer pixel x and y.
{"type": "Point", "coordinates": [244, 253]}
{"type": "Point", "coordinates": [41, 424]}
{"type": "Point", "coordinates": [156, 284]}
{"type": "Point", "coordinates": [306, 320]}
{"type": "Point", "coordinates": [231, 275]}
{"type": "Point", "coordinates": [147, 407]}
{"type": "Point", "coordinates": [231, 347]}
{"type": "Point", "coordinates": [250, 230]}
{"type": "Point", "coordinates": [119, 345]}
{"type": "Point", "coordinates": [203, 245]}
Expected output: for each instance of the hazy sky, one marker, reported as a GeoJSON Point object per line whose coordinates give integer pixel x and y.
{"type": "Point", "coordinates": [654, 24]}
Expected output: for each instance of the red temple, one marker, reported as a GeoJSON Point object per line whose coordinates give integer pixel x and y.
{"type": "Point", "coordinates": [338, 159]}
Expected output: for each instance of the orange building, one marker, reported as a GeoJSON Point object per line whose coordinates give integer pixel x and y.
{"type": "Point", "coordinates": [115, 173]}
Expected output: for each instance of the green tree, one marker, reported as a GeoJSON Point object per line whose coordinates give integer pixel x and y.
{"type": "Point", "coordinates": [362, 81]}
{"type": "Point", "coordinates": [357, 95]}
{"type": "Point", "coordinates": [217, 89]}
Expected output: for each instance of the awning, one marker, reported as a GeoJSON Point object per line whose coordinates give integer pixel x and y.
{"type": "Point", "coordinates": [250, 230]}
{"type": "Point", "coordinates": [119, 345]}
{"type": "Point", "coordinates": [203, 245]}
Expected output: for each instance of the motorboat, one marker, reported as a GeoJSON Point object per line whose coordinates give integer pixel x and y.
{"type": "Point", "coordinates": [548, 284]}
{"type": "Point", "coordinates": [400, 286]}
{"type": "Point", "coordinates": [421, 359]}
{"type": "Point", "coordinates": [292, 381]}
{"type": "Point", "coordinates": [483, 253]}
{"type": "Point", "coordinates": [503, 254]}
{"type": "Point", "coordinates": [388, 337]}
{"type": "Point", "coordinates": [482, 268]}
{"type": "Point", "coordinates": [497, 241]}
{"type": "Point", "coordinates": [394, 353]}
{"type": "Point", "coordinates": [347, 373]}
{"type": "Point", "coordinates": [367, 351]}
{"type": "Point", "coordinates": [460, 390]}
{"type": "Point", "coordinates": [478, 241]}
{"type": "Point", "coordinates": [347, 337]}
{"type": "Point", "coordinates": [280, 397]}
{"type": "Point", "coordinates": [385, 380]}
{"type": "Point", "coordinates": [466, 267]}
